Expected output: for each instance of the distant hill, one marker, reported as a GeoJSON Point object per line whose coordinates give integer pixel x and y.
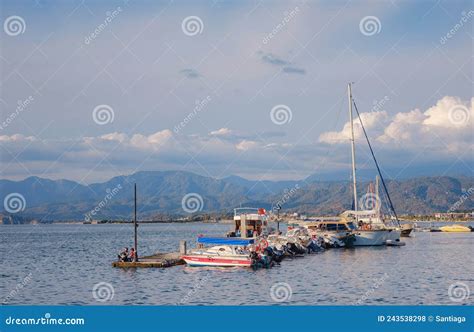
{"type": "Point", "coordinates": [161, 193]}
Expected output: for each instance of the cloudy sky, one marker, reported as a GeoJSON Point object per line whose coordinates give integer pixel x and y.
{"type": "Point", "coordinates": [92, 90]}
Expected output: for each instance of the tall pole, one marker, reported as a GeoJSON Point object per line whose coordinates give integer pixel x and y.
{"type": "Point", "coordinates": [377, 197]}
{"type": "Point", "coordinates": [135, 225]}
{"type": "Point", "coordinates": [354, 181]}
{"type": "Point", "coordinates": [278, 219]}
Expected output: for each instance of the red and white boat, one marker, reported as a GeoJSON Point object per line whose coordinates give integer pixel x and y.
{"type": "Point", "coordinates": [226, 252]}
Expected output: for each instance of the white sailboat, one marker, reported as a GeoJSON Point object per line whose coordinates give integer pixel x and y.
{"type": "Point", "coordinates": [371, 228]}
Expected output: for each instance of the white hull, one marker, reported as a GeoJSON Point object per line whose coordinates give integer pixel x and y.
{"type": "Point", "coordinates": [394, 235]}
{"type": "Point", "coordinates": [376, 237]}
{"type": "Point", "coordinates": [200, 260]}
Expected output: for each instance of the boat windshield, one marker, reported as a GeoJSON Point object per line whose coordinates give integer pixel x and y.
{"type": "Point", "coordinates": [351, 225]}
{"type": "Point", "coordinates": [331, 227]}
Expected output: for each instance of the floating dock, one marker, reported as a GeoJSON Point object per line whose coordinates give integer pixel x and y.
{"type": "Point", "coordinates": [156, 260]}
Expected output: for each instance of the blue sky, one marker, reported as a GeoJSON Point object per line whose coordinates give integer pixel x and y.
{"type": "Point", "coordinates": [202, 100]}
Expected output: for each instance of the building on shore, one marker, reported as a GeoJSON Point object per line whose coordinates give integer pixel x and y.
{"type": "Point", "coordinates": [454, 215]}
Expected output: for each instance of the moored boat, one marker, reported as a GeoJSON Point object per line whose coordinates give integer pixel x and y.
{"type": "Point", "coordinates": [406, 230]}
{"type": "Point", "coordinates": [456, 229]}
{"type": "Point", "coordinates": [249, 222]}
{"type": "Point", "coordinates": [334, 233]}
{"type": "Point", "coordinates": [371, 230]}
{"type": "Point", "coordinates": [225, 252]}
{"type": "Point", "coordinates": [371, 227]}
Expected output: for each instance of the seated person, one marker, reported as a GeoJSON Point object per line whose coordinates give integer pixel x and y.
{"type": "Point", "coordinates": [132, 257]}
{"type": "Point", "coordinates": [123, 256]}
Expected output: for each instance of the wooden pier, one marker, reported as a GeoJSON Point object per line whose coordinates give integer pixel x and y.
{"type": "Point", "coordinates": [156, 260]}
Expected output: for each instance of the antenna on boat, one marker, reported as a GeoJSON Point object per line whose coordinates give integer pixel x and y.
{"type": "Point", "coordinates": [354, 180]}
{"type": "Point", "coordinates": [278, 217]}
{"type": "Point", "coordinates": [135, 225]}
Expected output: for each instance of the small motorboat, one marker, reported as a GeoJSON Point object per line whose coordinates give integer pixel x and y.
{"type": "Point", "coordinates": [304, 241]}
{"type": "Point", "coordinates": [406, 229]}
{"type": "Point", "coordinates": [332, 233]}
{"type": "Point", "coordinates": [224, 252]}
{"type": "Point", "coordinates": [456, 229]}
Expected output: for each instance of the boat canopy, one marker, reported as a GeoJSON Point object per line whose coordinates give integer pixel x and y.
{"type": "Point", "coordinates": [230, 241]}
{"type": "Point", "coordinates": [360, 213]}
{"type": "Point", "coordinates": [249, 210]}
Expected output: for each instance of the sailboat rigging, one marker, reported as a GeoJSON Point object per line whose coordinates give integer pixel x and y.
{"type": "Point", "coordinates": [376, 164]}
{"type": "Point", "coordinates": [371, 227]}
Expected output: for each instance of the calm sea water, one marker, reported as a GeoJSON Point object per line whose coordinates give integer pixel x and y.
{"type": "Point", "coordinates": [61, 264]}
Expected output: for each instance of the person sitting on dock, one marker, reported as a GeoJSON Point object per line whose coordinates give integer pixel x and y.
{"type": "Point", "coordinates": [123, 256]}
{"type": "Point", "coordinates": [132, 257]}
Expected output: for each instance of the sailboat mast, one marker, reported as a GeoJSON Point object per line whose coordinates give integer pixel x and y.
{"type": "Point", "coordinates": [354, 180]}
{"type": "Point", "coordinates": [377, 197]}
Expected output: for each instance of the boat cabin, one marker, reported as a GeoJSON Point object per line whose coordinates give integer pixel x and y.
{"type": "Point", "coordinates": [329, 226]}
{"type": "Point", "coordinates": [249, 223]}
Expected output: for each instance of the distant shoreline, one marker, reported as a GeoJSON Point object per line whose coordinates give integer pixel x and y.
{"type": "Point", "coordinates": [226, 221]}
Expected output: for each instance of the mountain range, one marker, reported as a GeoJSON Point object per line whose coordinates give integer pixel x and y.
{"type": "Point", "coordinates": [163, 193]}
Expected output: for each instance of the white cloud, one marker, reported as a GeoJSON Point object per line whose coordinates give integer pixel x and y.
{"type": "Point", "coordinates": [152, 142]}
{"type": "Point", "coordinates": [16, 138]}
{"type": "Point", "coordinates": [222, 132]}
{"type": "Point", "coordinates": [119, 137]}
{"type": "Point", "coordinates": [403, 126]}
{"type": "Point", "coordinates": [447, 126]}
{"type": "Point", "coordinates": [120, 152]}
{"type": "Point", "coordinates": [373, 120]}
{"type": "Point", "coordinates": [445, 112]}
{"type": "Point", "coordinates": [246, 145]}
{"type": "Point", "coordinates": [397, 138]}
